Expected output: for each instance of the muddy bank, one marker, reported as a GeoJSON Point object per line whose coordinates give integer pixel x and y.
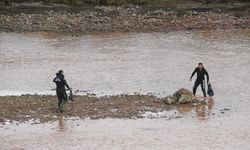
{"type": "Point", "coordinates": [102, 19]}
{"type": "Point", "coordinates": [23, 108]}
{"type": "Point", "coordinates": [44, 108]}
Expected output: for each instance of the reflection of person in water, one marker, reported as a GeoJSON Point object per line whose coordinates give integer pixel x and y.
{"type": "Point", "coordinates": [204, 111]}
{"type": "Point", "coordinates": [61, 123]}
{"type": "Point", "coordinates": [210, 103]}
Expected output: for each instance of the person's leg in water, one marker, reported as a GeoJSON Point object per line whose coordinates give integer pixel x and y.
{"type": "Point", "coordinates": [203, 89]}
{"type": "Point", "coordinates": [196, 84]}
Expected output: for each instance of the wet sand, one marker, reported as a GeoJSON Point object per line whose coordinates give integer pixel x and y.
{"type": "Point", "coordinates": [44, 108]}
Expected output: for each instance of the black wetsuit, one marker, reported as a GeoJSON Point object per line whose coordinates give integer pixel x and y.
{"type": "Point", "coordinates": [200, 79]}
{"type": "Point", "coordinates": [60, 89]}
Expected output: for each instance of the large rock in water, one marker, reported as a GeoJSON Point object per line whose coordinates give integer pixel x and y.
{"type": "Point", "coordinates": [182, 96]}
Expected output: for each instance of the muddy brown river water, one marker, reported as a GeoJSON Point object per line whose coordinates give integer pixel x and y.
{"type": "Point", "coordinates": [158, 63]}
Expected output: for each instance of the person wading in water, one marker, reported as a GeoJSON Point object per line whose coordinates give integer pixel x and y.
{"type": "Point", "coordinates": [60, 89]}
{"type": "Point", "coordinates": [201, 72]}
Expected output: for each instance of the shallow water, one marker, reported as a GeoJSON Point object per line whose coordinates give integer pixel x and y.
{"type": "Point", "coordinates": [127, 63]}
{"type": "Point", "coordinates": [217, 133]}
{"type": "Point", "coordinates": [122, 63]}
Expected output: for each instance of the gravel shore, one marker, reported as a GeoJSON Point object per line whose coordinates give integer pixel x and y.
{"type": "Point", "coordinates": [44, 108]}
{"type": "Point", "coordinates": [107, 19]}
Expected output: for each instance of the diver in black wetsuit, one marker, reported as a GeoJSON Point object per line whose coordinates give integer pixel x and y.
{"type": "Point", "coordinates": [201, 72]}
{"type": "Point", "coordinates": [60, 89]}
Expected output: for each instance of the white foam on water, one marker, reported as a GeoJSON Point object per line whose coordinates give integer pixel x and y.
{"type": "Point", "coordinates": [19, 93]}
{"type": "Point", "coordinates": [171, 114]}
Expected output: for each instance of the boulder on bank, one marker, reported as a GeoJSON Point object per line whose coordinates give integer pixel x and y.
{"type": "Point", "coordinates": [182, 96]}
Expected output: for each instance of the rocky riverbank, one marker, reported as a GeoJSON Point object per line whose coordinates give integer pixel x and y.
{"type": "Point", "coordinates": [106, 19]}
{"type": "Point", "coordinates": [44, 108]}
